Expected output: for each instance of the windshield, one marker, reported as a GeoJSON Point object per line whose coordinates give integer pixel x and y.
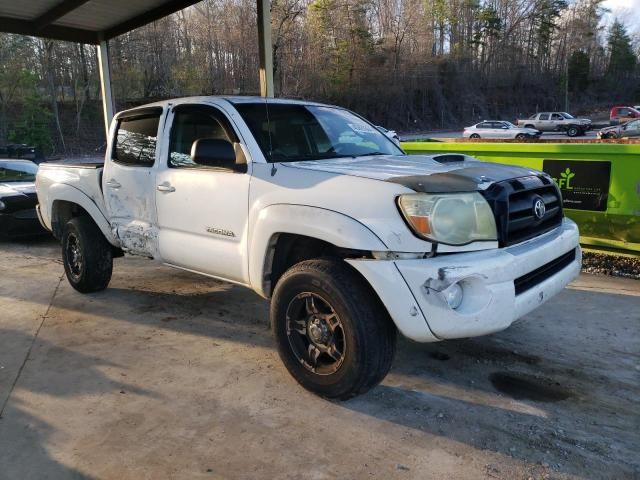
{"type": "Point", "coordinates": [12, 171]}
{"type": "Point", "coordinates": [289, 133]}
{"type": "Point", "coordinates": [566, 115]}
{"type": "Point", "coordinates": [510, 125]}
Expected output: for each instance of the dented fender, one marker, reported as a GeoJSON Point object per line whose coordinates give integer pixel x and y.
{"type": "Point", "coordinates": [322, 224]}
{"type": "Point", "coordinates": [64, 192]}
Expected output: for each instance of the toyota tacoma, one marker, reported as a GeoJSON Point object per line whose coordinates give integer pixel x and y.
{"type": "Point", "coordinates": [312, 207]}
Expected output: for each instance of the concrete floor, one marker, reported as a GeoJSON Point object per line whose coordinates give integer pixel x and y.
{"type": "Point", "coordinates": [170, 375]}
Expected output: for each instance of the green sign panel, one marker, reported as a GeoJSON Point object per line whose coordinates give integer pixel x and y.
{"type": "Point", "coordinates": [584, 185]}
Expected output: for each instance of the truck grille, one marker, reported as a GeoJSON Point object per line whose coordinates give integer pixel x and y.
{"type": "Point", "coordinates": [513, 204]}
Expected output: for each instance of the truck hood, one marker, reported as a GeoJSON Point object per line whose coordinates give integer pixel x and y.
{"type": "Point", "coordinates": [423, 173]}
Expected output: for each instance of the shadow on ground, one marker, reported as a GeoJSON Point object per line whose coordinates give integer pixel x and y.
{"type": "Point", "coordinates": [69, 374]}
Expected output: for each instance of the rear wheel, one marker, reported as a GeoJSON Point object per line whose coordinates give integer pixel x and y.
{"type": "Point", "coordinates": [529, 126]}
{"type": "Point", "coordinates": [333, 334]}
{"type": "Point", "coordinates": [87, 256]}
{"type": "Point", "coordinates": [474, 135]}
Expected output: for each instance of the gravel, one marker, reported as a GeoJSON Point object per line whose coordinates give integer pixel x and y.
{"type": "Point", "coordinates": [611, 264]}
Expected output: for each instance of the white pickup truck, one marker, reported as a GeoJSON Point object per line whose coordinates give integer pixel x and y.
{"type": "Point", "coordinates": [312, 207]}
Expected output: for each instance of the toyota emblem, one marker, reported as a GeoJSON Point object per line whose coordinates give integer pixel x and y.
{"type": "Point", "coordinates": [539, 208]}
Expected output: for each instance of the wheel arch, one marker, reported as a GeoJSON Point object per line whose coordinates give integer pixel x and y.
{"type": "Point", "coordinates": [287, 234]}
{"type": "Point", "coordinates": [69, 202]}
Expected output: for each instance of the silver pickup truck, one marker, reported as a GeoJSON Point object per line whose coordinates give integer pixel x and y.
{"type": "Point", "coordinates": [556, 122]}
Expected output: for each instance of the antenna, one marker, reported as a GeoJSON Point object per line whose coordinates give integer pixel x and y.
{"type": "Point", "coordinates": [274, 169]}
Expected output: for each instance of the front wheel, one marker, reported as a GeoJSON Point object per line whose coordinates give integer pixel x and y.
{"type": "Point", "coordinates": [521, 136]}
{"type": "Point", "coordinates": [333, 334]}
{"type": "Point", "coordinates": [573, 131]}
{"type": "Point", "coordinates": [87, 256]}
{"type": "Point", "coordinates": [474, 135]}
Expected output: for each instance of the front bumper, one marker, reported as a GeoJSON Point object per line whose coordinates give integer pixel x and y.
{"type": "Point", "coordinates": [410, 288]}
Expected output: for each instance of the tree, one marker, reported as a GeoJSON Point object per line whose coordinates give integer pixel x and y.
{"type": "Point", "coordinates": [578, 71]}
{"type": "Point", "coordinates": [622, 60]}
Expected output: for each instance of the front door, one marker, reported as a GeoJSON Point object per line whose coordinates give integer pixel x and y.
{"type": "Point", "coordinates": [202, 210]}
{"type": "Point", "coordinates": [633, 129]}
{"type": "Point", "coordinates": [127, 181]}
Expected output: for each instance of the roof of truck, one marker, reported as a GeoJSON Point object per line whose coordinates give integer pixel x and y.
{"type": "Point", "coordinates": [233, 99]}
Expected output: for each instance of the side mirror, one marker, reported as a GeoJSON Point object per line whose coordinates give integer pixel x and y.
{"type": "Point", "coordinates": [504, 127]}
{"type": "Point", "coordinates": [217, 153]}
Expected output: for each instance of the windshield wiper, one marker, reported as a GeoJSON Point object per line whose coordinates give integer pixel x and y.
{"type": "Point", "coordinates": [370, 154]}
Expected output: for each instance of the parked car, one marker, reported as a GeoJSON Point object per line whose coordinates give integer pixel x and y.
{"type": "Point", "coordinates": [622, 114]}
{"type": "Point", "coordinates": [18, 199]}
{"type": "Point", "coordinates": [393, 136]}
{"type": "Point", "coordinates": [556, 122]}
{"type": "Point", "coordinates": [314, 208]}
{"type": "Point", "coordinates": [628, 129]}
{"type": "Point", "coordinates": [499, 129]}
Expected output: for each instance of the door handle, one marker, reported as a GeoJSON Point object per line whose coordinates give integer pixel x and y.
{"type": "Point", "coordinates": [165, 187]}
{"type": "Point", "coordinates": [113, 184]}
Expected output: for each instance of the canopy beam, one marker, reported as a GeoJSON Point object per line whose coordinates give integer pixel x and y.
{"type": "Point", "coordinates": [104, 66]}
{"type": "Point", "coordinates": [265, 48]}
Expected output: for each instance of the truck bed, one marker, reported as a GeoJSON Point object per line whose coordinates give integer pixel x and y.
{"type": "Point", "coordinates": [77, 178]}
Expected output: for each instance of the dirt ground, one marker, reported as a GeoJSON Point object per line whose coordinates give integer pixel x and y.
{"type": "Point", "coordinates": [171, 375]}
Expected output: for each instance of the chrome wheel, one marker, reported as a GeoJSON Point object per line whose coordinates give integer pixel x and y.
{"type": "Point", "coordinates": [75, 258]}
{"type": "Point", "coordinates": [315, 333]}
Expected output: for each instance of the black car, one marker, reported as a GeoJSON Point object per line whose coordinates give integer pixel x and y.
{"type": "Point", "coordinates": [18, 199]}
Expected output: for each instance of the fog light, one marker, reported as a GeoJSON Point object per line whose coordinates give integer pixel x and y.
{"type": "Point", "coordinates": [453, 295]}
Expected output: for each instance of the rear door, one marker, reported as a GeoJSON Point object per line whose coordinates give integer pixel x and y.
{"type": "Point", "coordinates": [544, 123]}
{"type": "Point", "coordinates": [202, 210]}
{"type": "Point", "coordinates": [128, 177]}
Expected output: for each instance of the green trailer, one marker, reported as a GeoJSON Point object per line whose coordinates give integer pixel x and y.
{"type": "Point", "coordinates": [600, 182]}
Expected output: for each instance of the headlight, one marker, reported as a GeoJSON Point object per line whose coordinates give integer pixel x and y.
{"type": "Point", "coordinates": [455, 218]}
{"type": "Point", "coordinates": [2, 205]}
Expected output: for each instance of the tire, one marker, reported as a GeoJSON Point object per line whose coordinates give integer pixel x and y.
{"type": "Point", "coordinates": [530, 126]}
{"type": "Point", "coordinates": [573, 131]}
{"type": "Point", "coordinates": [87, 256]}
{"type": "Point", "coordinates": [521, 136]}
{"type": "Point", "coordinates": [362, 339]}
{"type": "Point", "coordinates": [474, 135]}
{"type": "Point", "coordinates": [611, 136]}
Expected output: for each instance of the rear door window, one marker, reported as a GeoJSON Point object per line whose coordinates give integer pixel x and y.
{"type": "Point", "coordinates": [136, 138]}
{"type": "Point", "coordinates": [544, 116]}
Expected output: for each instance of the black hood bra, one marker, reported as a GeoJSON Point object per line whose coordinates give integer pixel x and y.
{"type": "Point", "coordinates": [465, 179]}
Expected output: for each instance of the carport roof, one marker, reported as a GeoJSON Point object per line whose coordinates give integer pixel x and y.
{"type": "Point", "coordinates": [86, 21]}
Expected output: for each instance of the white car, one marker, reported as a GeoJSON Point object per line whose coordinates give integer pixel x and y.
{"type": "Point", "coordinates": [312, 207]}
{"type": "Point", "coordinates": [499, 129]}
